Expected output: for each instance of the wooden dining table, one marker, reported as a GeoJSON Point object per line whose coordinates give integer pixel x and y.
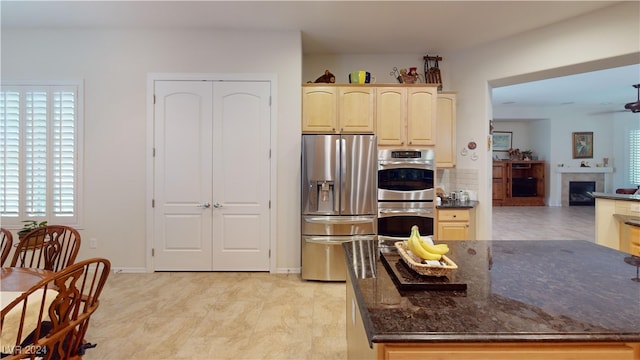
{"type": "Point", "coordinates": [14, 281]}
{"type": "Point", "coordinates": [21, 279]}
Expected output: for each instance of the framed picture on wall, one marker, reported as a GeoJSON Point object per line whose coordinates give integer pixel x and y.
{"type": "Point", "coordinates": [583, 145]}
{"type": "Point", "coordinates": [502, 140]}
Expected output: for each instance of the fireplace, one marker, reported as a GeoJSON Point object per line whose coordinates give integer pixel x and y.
{"type": "Point", "coordinates": [578, 193]}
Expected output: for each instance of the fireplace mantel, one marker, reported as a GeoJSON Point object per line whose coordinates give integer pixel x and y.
{"type": "Point", "coordinates": [583, 170]}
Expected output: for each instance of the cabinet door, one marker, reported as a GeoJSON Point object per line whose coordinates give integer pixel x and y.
{"type": "Point", "coordinates": [319, 109]}
{"type": "Point", "coordinates": [421, 113]}
{"type": "Point", "coordinates": [498, 189]}
{"type": "Point", "coordinates": [634, 237]}
{"type": "Point", "coordinates": [356, 110]}
{"type": "Point", "coordinates": [391, 115]}
{"type": "Point", "coordinates": [446, 131]}
{"type": "Point", "coordinates": [454, 230]}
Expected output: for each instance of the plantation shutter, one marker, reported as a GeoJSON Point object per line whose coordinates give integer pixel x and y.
{"type": "Point", "coordinates": [634, 157]}
{"type": "Point", "coordinates": [39, 153]}
{"type": "Point", "coordinates": [9, 153]}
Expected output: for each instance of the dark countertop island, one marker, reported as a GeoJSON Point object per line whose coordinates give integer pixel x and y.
{"type": "Point", "coordinates": [517, 291]}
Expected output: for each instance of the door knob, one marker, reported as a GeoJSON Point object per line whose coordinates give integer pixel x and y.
{"type": "Point", "coordinates": [205, 205]}
{"type": "Point", "coordinates": [217, 205]}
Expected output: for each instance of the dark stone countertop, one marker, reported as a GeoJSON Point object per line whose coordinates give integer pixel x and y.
{"type": "Point", "coordinates": [611, 196]}
{"type": "Point", "coordinates": [457, 204]}
{"type": "Point", "coordinates": [520, 291]}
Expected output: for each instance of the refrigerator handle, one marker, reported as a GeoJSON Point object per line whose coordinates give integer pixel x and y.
{"type": "Point", "coordinates": [337, 189]}
{"type": "Point", "coordinates": [343, 173]}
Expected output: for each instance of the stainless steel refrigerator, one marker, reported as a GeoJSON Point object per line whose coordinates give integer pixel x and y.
{"type": "Point", "coordinates": [339, 200]}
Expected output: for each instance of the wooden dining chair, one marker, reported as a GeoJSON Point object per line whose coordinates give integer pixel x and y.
{"type": "Point", "coordinates": [51, 247]}
{"type": "Point", "coordinates": [50, 320]}
{"type": "Point", "coordinates": [5, 245]}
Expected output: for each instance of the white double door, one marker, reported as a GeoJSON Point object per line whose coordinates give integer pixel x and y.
{"type": "Point", "coordinates": [211, 175]}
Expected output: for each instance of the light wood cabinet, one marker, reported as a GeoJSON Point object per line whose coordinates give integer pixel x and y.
{"type": "Point", "coordinates": [356, 109]}
{"type": "Point", "coordinates": [446, 130]}
{"type": "Point", "coordinates": [391, 116]}
{"type": "Point", "coordinates": [319, 109]}
{"type": "Point", "coordinates": [504, 351]}
{"type": "Point", "coordinates": [338, 109]}
{"type": "Point", "coordinates": [405, 115]}
{"type": "Point", "coordinates": [634, 240]}
{"type": "Point", "coordinates": [518, 183]}
{"type": "Point", "coordinates": [455, 224]}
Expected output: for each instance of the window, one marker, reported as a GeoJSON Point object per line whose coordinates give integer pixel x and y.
{"type": "Point", "coordinates": [40, 153]}
{"type": "Point", "coordinates": [634, 157]}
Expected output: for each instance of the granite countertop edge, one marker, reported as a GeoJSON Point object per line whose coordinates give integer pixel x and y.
{"type": "Point", "coordinates": [610, 196]}
{"type": "Point", "coordinates": [455, 204]}
{"type": "Point", "coordinates": [501, 338]}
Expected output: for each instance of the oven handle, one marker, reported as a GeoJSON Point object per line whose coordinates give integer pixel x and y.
{"type": "Point", "coordinates": [391, 238]}
{"type": "Point", "coordinates": [405, 212]}
{"type": "Point", "coordinates": [384, 165]}
{"type": "Point", "coordinates": [339, 220]}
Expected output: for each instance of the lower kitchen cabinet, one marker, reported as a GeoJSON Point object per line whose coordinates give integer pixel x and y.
{"type": "Point", "coordinates": [634, 240]}
{"type": "Point", "coordinates": [504, 351]}
{"type": "Point", "coordinates": [455, 224]}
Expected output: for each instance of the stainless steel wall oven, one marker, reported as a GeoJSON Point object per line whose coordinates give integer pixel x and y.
{"type": "Point", "coordinates": [405, 192]}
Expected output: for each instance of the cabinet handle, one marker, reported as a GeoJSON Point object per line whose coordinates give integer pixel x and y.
{"type": "Point", "coordinates": [454, 215]}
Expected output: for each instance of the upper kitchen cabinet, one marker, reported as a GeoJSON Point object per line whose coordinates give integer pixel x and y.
{"type": "Point", "coordinates": [446, 130]}
{"type": "Point", "coordinates": [333, 109]}
{"type": "Point", "coordinates": [405, 115]}
{"type": "Point", "coordinates": [356, 109]}
{"type": "Point", "coordinates": [319, 109]}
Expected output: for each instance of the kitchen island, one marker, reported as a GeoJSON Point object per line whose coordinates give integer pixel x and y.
{"type": "Point", "coordinates": [618, 221]}
{"type": "Point", "coordinates": [523, 299]}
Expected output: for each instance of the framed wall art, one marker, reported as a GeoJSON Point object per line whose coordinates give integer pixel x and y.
{"type": "Point", "coordinates": [502, 140]}
{"type": "Point", "coordinates": [583, 145]}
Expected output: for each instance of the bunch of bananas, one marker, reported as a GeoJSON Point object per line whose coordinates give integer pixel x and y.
{"type": "Point", "coordinates": [425, 249]}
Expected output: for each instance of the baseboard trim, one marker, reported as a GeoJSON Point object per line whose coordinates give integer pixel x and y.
{"type": "Point", "coordinates": [288, 270]}
{"type": "Point", "coordinates": [122, 270]}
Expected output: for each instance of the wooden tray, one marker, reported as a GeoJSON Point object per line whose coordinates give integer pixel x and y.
{"type": "Point", "coordinates": [423, 269]}
{"type": "Point", "coordinates": [406, 279]}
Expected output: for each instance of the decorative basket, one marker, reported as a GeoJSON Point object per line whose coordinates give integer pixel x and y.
{"type": "Point", "coordinates": [415, 263]}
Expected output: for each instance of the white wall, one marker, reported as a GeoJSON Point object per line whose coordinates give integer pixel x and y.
{"type": "Point", "coordinates": [114, 65]}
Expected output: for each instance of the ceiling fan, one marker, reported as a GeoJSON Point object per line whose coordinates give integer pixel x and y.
{"type": "Point", "coordinates": [634, 106]}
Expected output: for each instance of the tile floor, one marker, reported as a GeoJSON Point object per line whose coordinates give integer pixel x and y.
{"type": "Point", "coordinates": [258, 315]}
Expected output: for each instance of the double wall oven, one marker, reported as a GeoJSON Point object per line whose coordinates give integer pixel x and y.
{"type": "Point", "coordinates": [405, 192]}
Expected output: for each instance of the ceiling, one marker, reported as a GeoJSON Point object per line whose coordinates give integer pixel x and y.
{"type": "Point", "coordinates": [357, 27]}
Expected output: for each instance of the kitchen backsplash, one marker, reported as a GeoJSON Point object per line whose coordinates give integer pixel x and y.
{"type": "Point", "coordinates": [458, 179]}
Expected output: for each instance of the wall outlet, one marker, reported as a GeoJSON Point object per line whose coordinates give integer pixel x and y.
{"type": "Point", "coordinates": [93, 243]}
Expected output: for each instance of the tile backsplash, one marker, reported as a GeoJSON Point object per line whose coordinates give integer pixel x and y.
{"type": "Point", "coordinates": [458, 179]}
